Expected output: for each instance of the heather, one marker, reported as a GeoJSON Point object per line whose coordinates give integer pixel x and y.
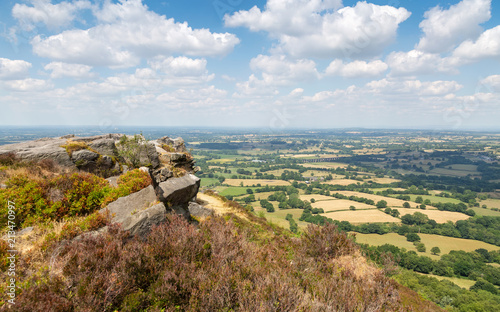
{"type": "Point", "coordinates": [223, 264]}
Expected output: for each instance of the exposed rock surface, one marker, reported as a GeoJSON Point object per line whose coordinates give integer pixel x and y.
{"type": "Point", "coordinates": [165, 159]}
{"type": "Point", "coordinates": [45, 148]}
{"type": "Point", "coordinates": [176, 193]}
{"type": "Point", "coordinates": [199, 211]}
{"type": "Point", "coordinates": [124, 207]}
{"type": "Point", "coordinates": [141, 222]}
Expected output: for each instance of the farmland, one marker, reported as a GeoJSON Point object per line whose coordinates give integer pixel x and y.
{"type": "Point", "coordinates": [384, 187]}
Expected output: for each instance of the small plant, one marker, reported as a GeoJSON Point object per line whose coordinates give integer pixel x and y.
{"type": "Point", "coordinates": [73, 146]}
{"type": "Point", "coordinates": [131, 149]}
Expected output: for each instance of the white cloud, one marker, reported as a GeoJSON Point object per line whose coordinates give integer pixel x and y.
{"type": "Point", "coordinates": [43, 11]}
{"type": "Point", "coordinates": [417, 62]}
{"type": "Point", "coordinates": [444, 29]}
{"type": "Point", "coordinates": [319, 30]}
{"type": "Point", "coordinates": [413, 87]}
{"type": "Point", "coordinates": [486, 46]}
{"type": "Point", "coordinates": [356, 69]}
{"type": "Point", "coordinates": [13, 69]}
{"type": "Point", "coordinates": [128, 32]}
{"type": "Point", "coordinates": [27, 85]}
{"type": "Point", "coordinates": [61, 70]}
{"type": "Point", "coordinates": [491, 82]}
{"type": "Point", "coordinates": [278, 70]}
{"type": "Point", "coordinates": [180, 66]}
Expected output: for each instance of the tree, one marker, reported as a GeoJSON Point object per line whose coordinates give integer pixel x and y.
{"type": "Point", "coordinates": [249, 191]}
{"type": "Point", "coordinates": [395, 213]}
{"type": "Point", "coordinates": [435, 250]}
{"type": "Point", "coordinates": [221, 179]}
{"type": "Point", "coordinates": [381, 204]}
{"type": "Point", "coordinates": [406, 205]}
{"type": "Point", "coordinates": [352, 207]}
{"type": "Point", "coordinates": [412, 237]}
{"type": "Point", "coordinates": [419, 200]}
{"type": "Point", "coordinates": [420, 247]}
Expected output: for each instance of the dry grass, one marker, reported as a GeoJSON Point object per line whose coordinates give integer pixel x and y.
{"type": "Point", "coordinates": [461, 282]}
{"type": "Point", "coordinates": [342, 182]}
{"type": "Point", "coordinates": [361, 216]}
{"type": "Point", "coordinates": [384, 180]}
{"type": "Point", "coordinates": [316, 197]}
{"type": "Point", "coordinates": [445, 243]}
{"type": "Point", "coordinates": [340, 204]}
{"type": "Point", "coordinates": [218, 206]}
{"type": "Point", "coordinates": [324, 165]}
{"type": "Point", "coordinates": [438, 216]}
{"type": "Point", "coordinates": [250, 182]}
{"type": "Point", "coordinates": [391, 202]}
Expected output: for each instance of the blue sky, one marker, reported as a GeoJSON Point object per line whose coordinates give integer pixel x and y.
{"type": "Point", "coordinates": [272, 64]}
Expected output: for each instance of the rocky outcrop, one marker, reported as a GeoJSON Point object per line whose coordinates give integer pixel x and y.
{"type": "Point", "coordinates": [126, 206]}
{"type": "Point", "coordinates": [41, 149]}
{"type": "Point", "coordinates": [141, 222]}
{"type": "Point", "coordinates": [166, 159]}
{"type": "Point", "coordinates": [199, 211]}
{"type": "Point", "coordinates": [176, 193]}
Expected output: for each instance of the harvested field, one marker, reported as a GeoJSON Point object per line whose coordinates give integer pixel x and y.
{"type": "Point", "coordinates": [438, 216]}
{"type": "Point", "coordinates": [361, 216]}
{"type": "Point", "coordinates": [342, 182]}
{"type": "Point", "coordinates": [250, 182]}
{"type": "Point", "coordinates": [340, 204]}
{"type": "Point", "coordinates": [317, 197]}
{"type": "Point", "coordinates": [391, 202]}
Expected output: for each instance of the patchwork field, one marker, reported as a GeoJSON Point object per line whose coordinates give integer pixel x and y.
{"type": "Point", "coordinates": [486, 212]}
{"type": "Point", "coordinates": [384, 180]}
{"type": "Point", "coordinates": [317, 197]}
{"type": "Point", "coordinates": [391, 202]}
{"type": "Point", "coordinates": [250, 182]}
{"type": "Point", "coordinates": [279, 216]}
{"type": "Point", "coordinates": [461, 282]}
{"type": "Point", "coordinates": [491, 203]}
{"type": "Point", "coordinates": [438, 216]}
{"type": "Point", "coordinates": [327, 165]}
{"type": "Point", "coordinates": [361, 216]}
{"type": "Point", "coordinates": [340, 204]}
{"type": "Point", "coordinates": [446, 244]}
{"type": "Point", "coordinates": [342, 182]}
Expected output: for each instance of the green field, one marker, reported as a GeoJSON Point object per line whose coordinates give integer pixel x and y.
{"type": "Point", "coordinates": [446, 244]}
{"type": "Point", "coordinates": [461, 282]}
{"type": "Point", "coordinates": [208, 182]}
{"type": "Point", "coordinates": [233, 190]}
{"type": "Point", "coordinates": [486, 212]}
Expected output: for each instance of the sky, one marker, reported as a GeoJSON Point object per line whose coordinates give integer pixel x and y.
{"type": "Point", "coordinates": [272, 64]}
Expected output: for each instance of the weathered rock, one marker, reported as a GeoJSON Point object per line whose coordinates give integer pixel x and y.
{"type": "Point", "coordinates": [162, 174]}
{"type": "Point", "coordinates": [178, 157]}
{"type": "Point", "coordinates": [104, 147]}
{"type": "Point", "coordinates": [141, 222]}
{"type": "Point", "coordinates": [124, 207]}
{"type": "Point", "coordinates": [113, 181]}
{"type": "Point", "coordinates": [152, 155]}
{"type": "Point", "coordinates": [45, 148]}
{"type": "Point", "coordinates": [176, 193]}
{"type": "Point", "coordinates": [84, 155]}
{"type": "Point", "coordinates": [106, 162]}
{"type": "Point", "coordinates": [199, 211]}
{"type": "Point", "coordinates": [177, 144]}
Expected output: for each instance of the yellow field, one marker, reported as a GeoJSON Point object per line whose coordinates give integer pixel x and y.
{"type": "Point", "coordinates": [461, 282]}
{"type": "Point", "coordinates": [391, 202]}
{"type": "Point", "coordinates": [317, 197]}
{"type": "Point", "coordinates": [263, 195]}
{"type": "Point", "coordinates": [446, 244]}
{"type": "Point", "coordinates": [361, 216]}
{"type": "Point", "coordinates": [327, 165]}
{"type": "Point", "coordinates": [438, 216]}
{"type": "Point", "coordinates": [342, 182]}
{"type": "Point", "coordinates": [490, 203]}
{"type": "Point", "coordinates": [384, 180]}
{"type": "Point", "coordinates": [278, 172]}
{"type": "Point", "coordinates": [340, 204]}
{"type": "Point", "coordinates": [250, 182]}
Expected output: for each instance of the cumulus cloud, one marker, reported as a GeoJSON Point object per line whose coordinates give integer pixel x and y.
{"type": "Point", "coordinates": [319, 29]}
{"type": "Point", "coordinates": [486, 46]}
{"type": "Point", "coordinates": [27, 85]}
{"type": "Point", "coordinates": [127, 32]}
{"type": "Point", "coordinates": [278, 70]}
{"type": "Point", "coordinates": [491, 82]}
{"type": "Point", "coordinates": [61, 70]}
{"type": "Point", "coordinates": [356, 69]}
{"type": "Point", "coordinates": [417, 62]}
{"type": "Point", "coordinates": [51, 15]}
{"type": "Point", "coordinates": [180, 66]}
{"type": "Point", "coordinates": [13, 69]}
{"type": "Point", "coordinates": [444, 29]}
{"type": "Point", "coordinates": [412, 87]}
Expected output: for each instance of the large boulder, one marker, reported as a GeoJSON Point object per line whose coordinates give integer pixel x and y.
{"type": "Point", "coordinates": [176, 193]}
{"type": "Point", "coordinates": [140, 223]}
{"type": "Point", "coordinates": [199, 211]}
{"type": "Point", "coordinates": [46, 148]}
{"type": "Point", "coordinates": [104, 147]}
{"type": "Point", "coordinates": [126, 206]}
